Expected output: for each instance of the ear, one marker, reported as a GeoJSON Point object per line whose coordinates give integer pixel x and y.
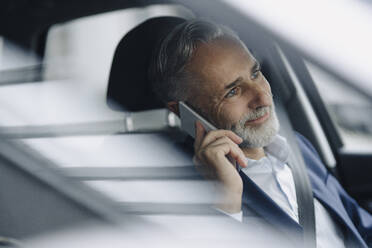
{"type": "Point", "coordinates": [173, 106]}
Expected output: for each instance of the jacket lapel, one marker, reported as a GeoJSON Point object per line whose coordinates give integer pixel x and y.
{"type": "Point", "coordinates": [258, 201]}
{"type": "Point", "coordinates": [333, 206]}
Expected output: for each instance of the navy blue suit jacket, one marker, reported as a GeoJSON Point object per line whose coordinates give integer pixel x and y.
{"type": "Point", "coordinates": [355, 221]}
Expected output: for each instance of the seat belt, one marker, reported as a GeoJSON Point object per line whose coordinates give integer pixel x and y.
{"type": "Point", "coordinates": [304, 193]}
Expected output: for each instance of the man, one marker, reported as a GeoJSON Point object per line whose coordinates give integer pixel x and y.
{"type": "Point", "coordinates": [207, 66]}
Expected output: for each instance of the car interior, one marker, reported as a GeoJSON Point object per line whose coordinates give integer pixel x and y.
{"type": "Point", "coordinates": [37, 195]}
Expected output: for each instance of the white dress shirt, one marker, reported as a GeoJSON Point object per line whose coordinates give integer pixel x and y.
{"type": "Point", "coordinates": [272, 175]}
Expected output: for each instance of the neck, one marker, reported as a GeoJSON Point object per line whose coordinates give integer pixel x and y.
{"type": "Point", "coordinates": [254, 153]}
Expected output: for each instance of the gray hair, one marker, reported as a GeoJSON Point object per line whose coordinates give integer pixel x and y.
{"type": "Point", "coordinates": [168, 72]}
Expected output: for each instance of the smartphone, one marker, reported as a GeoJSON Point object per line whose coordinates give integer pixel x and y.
{"type": "Point", "coordinates": [189, 117]}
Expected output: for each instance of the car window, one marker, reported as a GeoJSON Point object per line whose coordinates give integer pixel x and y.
{"type": "Point", "coordinates": [349, 109]}
{"type": "Point", "coordinates": [71, 85]}
{"type": "Point", "coordinates": [63, 116]}
{"type": "Point", "coordinates": [13, 56]}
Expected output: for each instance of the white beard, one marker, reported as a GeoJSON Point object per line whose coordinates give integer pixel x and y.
{"type": "Point", "coordinates": [257, 136]}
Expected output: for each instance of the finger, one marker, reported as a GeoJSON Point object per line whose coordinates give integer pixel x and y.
{"type": "Point", "coordinates": [231, 149]}
{"type": "Point", "coordinates": [222, 140]}
{"type": "Point", "coordinates": [199, 135]}
{"type": "Point", "coordinates": [240, 158]}
{"type": "Point", "coordinates": [214, 135]}
{"type": "Point", "coordinates": [234, 137]}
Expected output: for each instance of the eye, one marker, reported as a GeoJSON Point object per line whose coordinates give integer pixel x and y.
{"type": "Point", "coordinates": [255, 74]}
{"type": "Point", "coordinates": [232, 92]}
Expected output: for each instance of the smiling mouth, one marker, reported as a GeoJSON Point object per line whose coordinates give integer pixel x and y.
{"type": "Point", "coordinates": [259, 120]}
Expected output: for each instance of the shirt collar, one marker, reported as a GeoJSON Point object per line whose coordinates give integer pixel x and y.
{"type": "Point", "coordinates": [278, 148]}
{"type": "Point", "coordinates": [277, 154]}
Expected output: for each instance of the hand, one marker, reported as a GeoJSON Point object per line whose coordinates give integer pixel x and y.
{"type": "Point", "coordinates": [211, 150]}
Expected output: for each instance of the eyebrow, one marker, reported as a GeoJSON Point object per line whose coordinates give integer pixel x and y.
{"type": "Point", "coordinates": [256, 66]}
{"type": "Point", "coordinates": [233, 84]}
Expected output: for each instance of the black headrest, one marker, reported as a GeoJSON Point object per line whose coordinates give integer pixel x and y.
{"type": "Point", "coordinates": [129, 87]}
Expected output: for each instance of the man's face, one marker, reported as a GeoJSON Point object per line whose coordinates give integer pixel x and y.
{"type": "Point", "coordinates": [231, 91]}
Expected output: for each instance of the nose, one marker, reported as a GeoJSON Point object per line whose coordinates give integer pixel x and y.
{"type": "Point", "coordinates": [259, 96]}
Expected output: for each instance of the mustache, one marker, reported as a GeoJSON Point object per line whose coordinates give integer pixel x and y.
{"type": "Point", "coordinates": [255, 114]}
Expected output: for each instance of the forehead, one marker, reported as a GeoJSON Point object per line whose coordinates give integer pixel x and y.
{"type": "Point", "coordinates": [219, 63]}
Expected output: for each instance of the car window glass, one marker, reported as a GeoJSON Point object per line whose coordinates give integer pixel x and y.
{"type": "Point", "coordinates": [13, 56]}
{"type": "Point", "coordinates": [349, 109]}
{"type": "Point", "coordinates": [63, 115]}
{"type": "Point", "coordinates": [120, 150]}
{"type": "Point", "coordinates": [75, 70]}
{"type": "Point", "coordinates": [71, 85]}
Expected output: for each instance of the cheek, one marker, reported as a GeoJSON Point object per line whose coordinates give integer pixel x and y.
{"type": "Point", "coordinates": [229, 114]}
